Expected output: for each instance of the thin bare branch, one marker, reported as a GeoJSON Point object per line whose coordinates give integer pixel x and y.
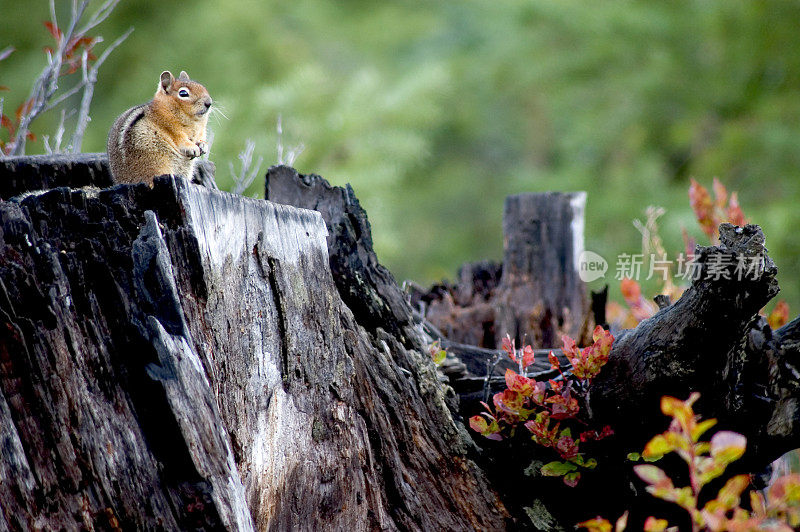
{"type": "Point", "coordinates": [55, 103]}
{"type": "Point", "coordinates": [46, 85]}
{"type": "Point", "coordinates": [5, 52]}
{"type": "Point", "coordinates": [109, 49]}
{"type": "Point", "coordinates": [293, 152]}
{"type": "Point", "coordinates": [53, 17]}
{"type": "Point", "coordinates": [89, 81]}
{"type": "Point", "coordinates": [99, 16]}
{"type": "Point", "coordinates": [60, 130]}
{"type": "Point", "coordinates": [248, 172]}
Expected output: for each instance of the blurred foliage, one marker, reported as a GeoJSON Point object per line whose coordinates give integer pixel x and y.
{"type": "Point", "coordinates": [435, 111]}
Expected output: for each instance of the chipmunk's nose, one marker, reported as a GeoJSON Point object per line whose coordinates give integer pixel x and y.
{"type": "Point", "coordinates": [207, 103]}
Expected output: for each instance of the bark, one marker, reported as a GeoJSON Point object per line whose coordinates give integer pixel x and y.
{"type": "Point", "coordinates": [712, 340]}
{"type": "Point", "coordinates": [708, 341]}
{"type": "Point", "coordinates": [536, 295]}
{"type": "Point", "coordinates": [180, 358]}
{"type": "Point", "coordinates": [541, 297]}
{"type": "Point", "coordinates": [31, 173]}
{"type": "Point", "coordinates": [183, 358]}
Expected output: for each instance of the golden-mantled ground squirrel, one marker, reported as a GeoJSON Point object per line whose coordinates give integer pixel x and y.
{"type": "Point", "coordinates": [163, 136]}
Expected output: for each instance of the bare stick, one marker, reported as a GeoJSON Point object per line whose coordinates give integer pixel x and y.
{"type": "Point", "coordinates": [5, 52]}
{"type": "Point", "coordinates": [248, 172]}
{"type": "Point", "coordinates": [99, 16]}
{"type": "Point", "coordinates": [293, 152]}
{"type": "Point", "coordinates": [89, 81]}
{"type": "Point", "coordinates": [46, 85]}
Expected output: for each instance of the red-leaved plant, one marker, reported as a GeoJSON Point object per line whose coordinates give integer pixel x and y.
{"type": "Point", "coordinates": [777, 509]}
{"type": "Point", "coordinates": [543, 406]}
{"type": "Point", "coordinates": [709, 212]}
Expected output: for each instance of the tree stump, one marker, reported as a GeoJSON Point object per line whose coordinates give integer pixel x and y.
{"type": "Point", "coordinates": [541, 295]}
{"type": "Point", "coordinates": [180, 358]}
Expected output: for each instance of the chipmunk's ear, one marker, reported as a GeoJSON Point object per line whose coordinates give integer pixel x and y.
{"type": "Point", "coordinates": [166, 80]}
{"type": "Point", "coordinates": [184, 76]}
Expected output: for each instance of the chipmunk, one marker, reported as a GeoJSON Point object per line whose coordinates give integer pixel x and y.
{"type": "Point", "coordinates": [163, 136]}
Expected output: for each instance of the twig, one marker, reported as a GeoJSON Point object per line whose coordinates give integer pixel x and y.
{"type": "Point", "coordinates": [5, 52]}
{"type": "Point", "coordinates": [248, 173]}
{"type": "Point", "coordinates": [56, 148]}
{"type": "Point", "coordinates": [46, 85]}
{"type": "Point", "coordinates": [99, 16]}
{"type": "Point", "coordinates": [89, 81]}
{"type": "Point", "coordinates": [293, 153]}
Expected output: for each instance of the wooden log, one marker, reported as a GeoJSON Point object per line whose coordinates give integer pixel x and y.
{"type": "Point", "coordinates": [395, 382]}
{"type": "Point", "coordinates": [541, 295]}
{"type": "Point", "coordinates": [535, 296]}
{"type": "Point", "coordinates": [31, 173]}
{"type": "Point", "coordinates": [178, 357]}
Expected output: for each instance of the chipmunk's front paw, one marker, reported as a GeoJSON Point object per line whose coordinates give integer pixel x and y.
{"type": "Point", "coordinates": [203, 147]}
{"type": "Point", "coordinates": [191, 151]}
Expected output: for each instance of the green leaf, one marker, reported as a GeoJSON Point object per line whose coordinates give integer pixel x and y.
{"type": "Point", "coordinates": [439, 356]}
{"type": "Point", "coordinates": [701, 428]}
{"type": "Point", "coordinates": [558, 468]}
{"type": "Point", "coordinates": [657, 447]}
{"type": "Point", "coordinates": [634, 457]}
{"type": "Point", "coordinates": [571, 479]}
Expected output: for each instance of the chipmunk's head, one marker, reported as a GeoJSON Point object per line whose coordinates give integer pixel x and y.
{"type": "Point", "coordinates": [183, 95]}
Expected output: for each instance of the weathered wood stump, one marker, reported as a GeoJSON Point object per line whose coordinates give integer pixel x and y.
{"type": "Point", "coordinates": [180, 358]}
{"type": "Point", "coordinates": [536, 295]}
{"type": "Point", "coordinates": [541, 296]}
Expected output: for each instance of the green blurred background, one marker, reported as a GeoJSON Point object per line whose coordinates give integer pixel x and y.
{"type": "Point", "coordinates": [435, 111]}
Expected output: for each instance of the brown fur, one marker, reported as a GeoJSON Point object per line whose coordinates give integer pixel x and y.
{"type": "Point", "coordinates": [163, 136]}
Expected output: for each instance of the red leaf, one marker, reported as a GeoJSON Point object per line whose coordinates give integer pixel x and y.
{"type": "Point", "coordinates": [569, 348]}
{"type": "Point", "coordinates": [527, 356]}
{"type": "Point", "coordinates": [53, 29]}
{"type": "Point", "coordinates": [508, 347]}
{"type": "Point", "coordinates": [735, 214]}
{"type": "Point", "coordinates": [779, 315]}
{"type": "Point", "coordinates": [567, 447]}
{"type": "Point", "coordinates": [518, 383]}
{"type": "Point", "coordinates": [24, 108]}
{"type": "Point", "coordinates": [564, 406]}
{"type": "Point", "coordinates": [553, 359]}
{"type": "Point", "coordinates": [6, 122]}
{"type": "Point", "coordinates": [478, 423]}
{"type": "Point", "coordinates": [571, 479]}
{"type": "Point", "coordinates": [703, 208]}
{"type": "Point", "coordinates": [720, 193]}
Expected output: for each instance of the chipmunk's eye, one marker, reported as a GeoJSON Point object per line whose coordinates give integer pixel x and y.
{"type": "Point", "coordinates": [183, 93]}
